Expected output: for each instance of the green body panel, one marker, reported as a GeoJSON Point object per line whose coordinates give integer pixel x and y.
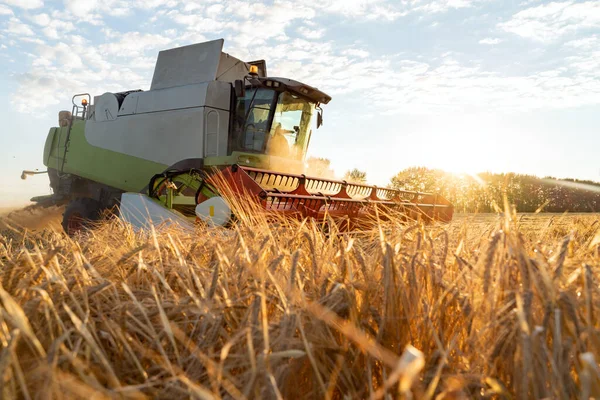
{"type": "Point", "coordinates": [181, 194]}
{"type": "Point", "coordinates": [48, 144]}
{"type": "Point", "coordinates": [121, 171]}
{"type": "Point", "coordinates": [129, 173]}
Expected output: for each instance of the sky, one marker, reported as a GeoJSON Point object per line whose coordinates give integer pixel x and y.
{"type": "Point", "coordinates": [462, 85]}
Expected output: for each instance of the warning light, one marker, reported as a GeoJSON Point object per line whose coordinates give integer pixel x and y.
{"type": "Point", "coordinates": [253, 70]}
{"type": "Point", "coordinates": [84, 102]}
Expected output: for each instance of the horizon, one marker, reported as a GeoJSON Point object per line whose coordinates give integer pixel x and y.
{"type": "Point", "coordinates": [463, 86]}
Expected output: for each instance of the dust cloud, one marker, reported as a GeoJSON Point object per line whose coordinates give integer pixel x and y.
{"type": "Point", "coordinates": [33, 217]}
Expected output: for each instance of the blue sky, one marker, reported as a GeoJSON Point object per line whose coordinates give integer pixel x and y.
{"type": "Point", "coordinates": [464, 85]}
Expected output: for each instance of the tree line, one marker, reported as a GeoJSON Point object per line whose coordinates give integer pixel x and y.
{"type": "Point", "coordinates": [485, 192]}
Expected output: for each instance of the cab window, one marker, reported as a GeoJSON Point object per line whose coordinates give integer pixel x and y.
{"type": "Point", "coordinates": [249, 134]}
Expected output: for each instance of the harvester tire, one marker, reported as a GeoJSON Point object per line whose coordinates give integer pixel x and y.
{"type": "Point", "coordinates": [79, 215]}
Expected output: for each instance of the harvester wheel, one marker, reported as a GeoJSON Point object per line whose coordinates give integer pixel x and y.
{"type": "Point", "coordinates": [79, 213]}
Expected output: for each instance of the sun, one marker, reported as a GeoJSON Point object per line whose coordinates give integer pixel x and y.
{"type": "Point", "coordinates": [464, 146]}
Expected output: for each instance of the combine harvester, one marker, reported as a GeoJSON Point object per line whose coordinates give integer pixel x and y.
{"type": "Point", "coordinates": [209, 121]}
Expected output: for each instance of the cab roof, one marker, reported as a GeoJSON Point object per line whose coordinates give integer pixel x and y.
{"type": "Point", "coordinates": [312, 93]}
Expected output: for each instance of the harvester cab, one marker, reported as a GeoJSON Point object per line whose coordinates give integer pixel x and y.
{"type": "Point", "coordinates": [208, 119]}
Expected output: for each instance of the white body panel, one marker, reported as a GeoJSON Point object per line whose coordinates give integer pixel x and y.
{"type": "Point", "coordinates": [184, 115]}
{"type": "Point", "coordinates": [187, 65]}
{"type": "Point", "coordinates": [214, 211]}
{"type": "Point", "coordinates": [142, 213]}
{"type": "Point", "coordinates": [106, 107]}
{"type": "Point", "coordinates": [167, 125]}
{"type": "Point", "coordinates": [202, 62]}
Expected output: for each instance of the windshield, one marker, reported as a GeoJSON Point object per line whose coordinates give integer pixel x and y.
{"type": "Point", "coordinates": [277, 123]}
{"type": "Point", "coordinates": [291, 122]}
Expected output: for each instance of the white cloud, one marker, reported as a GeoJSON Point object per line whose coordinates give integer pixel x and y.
{"type": "Point", "coordinates": [56, 29]}
{"type": "Point", "coordinates": [52, 27]}
{"type": "Point", "coordinates": [45, 86]}
{"type": "Point", "coordinates": [118, 11]}
{"type": "Point", "coordinates": [134, 44]}
{"type": "Point", "coordinates": [242, 24]}
{"type": "Point", "coordinates": [4, 10]}
{"type": "Point", "coordinates": [390, 84]}
{"type": "Point", "coordinates": [385, 9]}
{"type": "Point", "coordinates": [585, 43]}
{"type": "Point", "coordinates": [438, 6]}
{"type": "Point", "coordinates": [586, 65]}
{"type": "Point", "coordinates": [388, 13]}
{"type": "Point", "coordinates": [550, 21]}
{"type": "Point", "coordinates": [372, 9]}
{"type": "Point", "coordinates": [93, 10]}
{"type": "Point", "coordinates": [196, 22]}
{"type": "Point", "coordinates": [109, 34]}
{"type": "Point", "coordinates": [25, 4]}
{"type": "Point", "coordinates": [490, 41]}
{"type": "Point", "coordinates": [311, 33]}
{"type": "Point", "coordinates": [356, 53]}
{"type": "Point", "coordinates": [289, 36]}
{"type": "Point", "coordinates": [61, 55]}
{"type": "Point", "coordinates": [274, 21]}
{"type": "Point", "coordinates": [80, 8]}
{"type": "Point", "coordinates": [42, 19]}
{"type": "Point", "coordinates": [29, 39]}
{"type": "Point", "coordinates": [201, 17]}
{"type": "Point", "coordinates": [63, 69]}
{"type": "Point", "coordinates": [261, 21]}
{"type": "Point", "coordinates": [214, 11]}
{"type": "Point", "coordinates": [190, 37]}
{"type": "Point", "coordinates": [18, 28]}
{"type": "Point", "coordinates": [151, 4]}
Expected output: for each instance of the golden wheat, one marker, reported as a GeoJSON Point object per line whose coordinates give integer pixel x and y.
{"type": "Point", "coordinates": [482, 308]}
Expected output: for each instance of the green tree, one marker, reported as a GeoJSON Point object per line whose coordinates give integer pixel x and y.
{"type": "Point", "coordinates": [356, 176]}
{"type": "Point", "coordinates": [486, 191]}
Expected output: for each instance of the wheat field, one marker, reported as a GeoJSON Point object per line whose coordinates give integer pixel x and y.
{"type": "Point", "coordinates": [488, 306]}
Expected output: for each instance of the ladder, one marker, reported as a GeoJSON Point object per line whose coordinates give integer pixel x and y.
{"type": "Point", "coordinates": [79, 112]}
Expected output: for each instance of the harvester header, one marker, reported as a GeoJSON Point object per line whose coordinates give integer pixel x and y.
{"type": "Point", "coordinates": [207, 117]}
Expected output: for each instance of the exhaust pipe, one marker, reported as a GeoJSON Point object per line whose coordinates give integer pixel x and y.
{"type": "Point", "coordinates": [27, 173]}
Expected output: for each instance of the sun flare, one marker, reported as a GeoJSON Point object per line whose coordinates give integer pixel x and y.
{"type": "Point", "coordinates": [467, 147]}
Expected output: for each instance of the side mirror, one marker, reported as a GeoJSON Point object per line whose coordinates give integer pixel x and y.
{"type": "Point", "coordinates": [240, 89]}
{"type": "Point", "coordinates": [319, 119]}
